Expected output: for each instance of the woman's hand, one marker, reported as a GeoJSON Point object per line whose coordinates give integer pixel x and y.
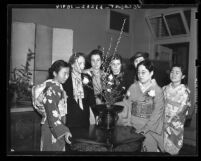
{"type": "Point", "coordinates": [67, 136]}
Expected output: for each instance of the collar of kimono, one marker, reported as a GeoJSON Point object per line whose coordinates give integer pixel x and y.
{"type": "Point", "coordinates": [175, 87]}
{"type": "Point", "coordinates": [57, 83]}
{"type": "Point", "coordinates": [152, 83]}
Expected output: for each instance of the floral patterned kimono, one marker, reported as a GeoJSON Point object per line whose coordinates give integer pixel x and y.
{"type": "Point", "coordinates": [53, 109]}
{"type": "Point", "coordinates": [177, 104]}
{"type": "Point", "coordinates": [144, 108]}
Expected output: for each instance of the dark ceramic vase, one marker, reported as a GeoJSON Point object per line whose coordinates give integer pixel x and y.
{"type": "Point", "coordinates": [108, 115]}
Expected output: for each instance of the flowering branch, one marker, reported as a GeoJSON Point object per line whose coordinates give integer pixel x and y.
{"type": "Point", "coordinates": [119, 39]}
{"type": "Point", "coordinates": [107, 91]}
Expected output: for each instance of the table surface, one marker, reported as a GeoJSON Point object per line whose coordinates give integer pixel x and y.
{"type": "Point", "coordinates": [94, 135]}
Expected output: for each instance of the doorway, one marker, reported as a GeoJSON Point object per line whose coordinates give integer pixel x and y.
{"type": "Point", "coordinates": [168, 54]}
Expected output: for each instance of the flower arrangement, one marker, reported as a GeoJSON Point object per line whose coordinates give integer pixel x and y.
{"type": "Point", "coordinates": [20, 80]}
{"type": "Point", "coordinates": [109, 92]}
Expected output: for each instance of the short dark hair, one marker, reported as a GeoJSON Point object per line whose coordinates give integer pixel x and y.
{"type": "Point", "coordinates": [116, 57]}
{"type": "Point", "coordinates": [148, 65]}
{"type": "Point", "coordinates": [184, 80]}
{"type": "Point", "coordinates": [75, 56]}
{"type": "Point", "coordinates": [56, 67]}
{"type": "Point", "coordinates": [95, 52]}
{"type": "Point", "coordinates": [179, 66]}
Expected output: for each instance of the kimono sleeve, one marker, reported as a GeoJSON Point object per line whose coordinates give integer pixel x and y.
{"type": "Point", "coordinates": [51, 101]}
{"type": "Point", "coordinates": [155, 123]}
{"type": "Point", "coordinates": [185, 105]}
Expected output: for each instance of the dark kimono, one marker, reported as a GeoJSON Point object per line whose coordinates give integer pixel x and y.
{"type": "Point", "coordinates": [54, 129]}
{"type": "Point", "coordinates": [76, 117]}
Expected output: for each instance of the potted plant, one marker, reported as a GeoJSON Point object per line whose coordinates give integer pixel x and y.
{"type": "Point", "coordinates": [20, 82]}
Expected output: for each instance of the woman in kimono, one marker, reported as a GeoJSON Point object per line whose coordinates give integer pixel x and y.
{"type": "Point", "coordinates": [52, 105]}
{"type": "Point", "coordinates": [177, 103]}
{"type": "Point", "coordinates": [144, 108]}
{"type": "Point", "coordinates": [80, 93]}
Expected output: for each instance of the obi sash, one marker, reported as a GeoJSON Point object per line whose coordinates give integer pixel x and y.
{"type": "Point", "coordinates": [142, 109]}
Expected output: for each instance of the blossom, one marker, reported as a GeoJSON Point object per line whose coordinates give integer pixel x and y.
{"type": "Point", "coordinates": [49, 93]}
{"type": "Point", "coordinates": [110, 77]}
{"type": "Point", "coordinates": [50, 101]}
{"type": "Point", "coordinates": [110, 83]}
{"type": "Point", "coordinates": [85, 80]}
{"type": "Point", "coordinates": [58, 122]}
{"type": "Point", "coordinates": [128, 93]}
{"type": "Point", "coordinates": [109, 90]}
{"type": "Point", "coordinates": [151, 93]}
{"type": "Point", "coordinates": [55, 113]}
{"type": "Point", "coordinates": [44, 100]}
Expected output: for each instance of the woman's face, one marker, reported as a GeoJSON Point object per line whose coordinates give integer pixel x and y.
{"type": "Point", "coordinates": [144, 75]}
{"type": "Point", "coordinates": [137, 61]}
{"type": "Point", "coordinates": [62, 75]}
{"type": "Point", "coordinates": [176, 75]}
{"type": "Point", "coordinates": [79, 64]}
{"type": "Point", "coordinates": [116, 66]}
{"type": "Point", "coordinates": [96, 61]}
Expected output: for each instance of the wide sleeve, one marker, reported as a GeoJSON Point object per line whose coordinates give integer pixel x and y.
{"type": "Point", "coordinates": [155, 123]}
{"type": "Point", "coordinates": [180, 115]}
{"type": "Point", "coordinates": [51, 101]}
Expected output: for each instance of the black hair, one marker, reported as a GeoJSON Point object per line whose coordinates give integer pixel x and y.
{"type": "Point", "coordinates": [179, 66]}
{"type": "Point", "coordinates": [183, 81]}
{"type": "Point", "coordinates": [56, 67]}
{"type": "Point", "coordinates": [75, 56]}
{"type": "Point", "coordinates": [95, 52]}
{"type": "Point", "coordinates": [116, 57]}
{"type": "Point", "coordinates": [138, 54]}
{"type": "Point", "coordinates": [148, 65]}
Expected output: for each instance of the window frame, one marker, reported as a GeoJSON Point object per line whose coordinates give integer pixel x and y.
{"type": "Point", "coordinates": [184, 21]}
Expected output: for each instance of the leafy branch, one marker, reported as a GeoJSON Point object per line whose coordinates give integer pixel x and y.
{"type": "Point", "coordinates": [20, 78]}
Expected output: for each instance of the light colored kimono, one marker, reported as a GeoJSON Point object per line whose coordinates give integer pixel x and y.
{"type": "Point", "coordinates": [177, 103]}
{"type": "Point", "coordinates": [144, 108]}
